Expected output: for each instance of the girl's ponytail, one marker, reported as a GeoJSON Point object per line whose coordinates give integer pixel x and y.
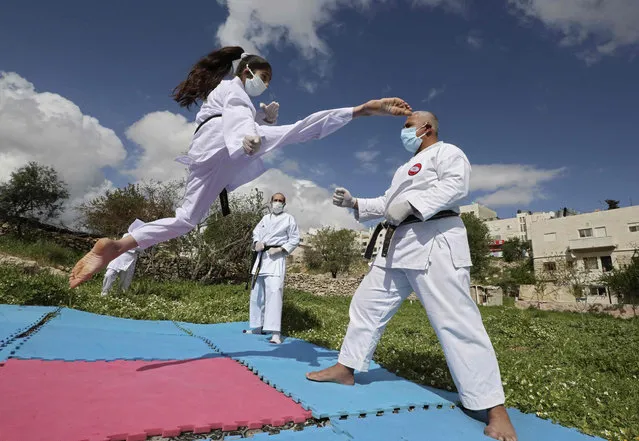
{"type": "Point", "coordinates": [205, 76]}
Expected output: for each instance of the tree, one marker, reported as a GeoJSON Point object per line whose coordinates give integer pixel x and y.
{"type": "Point", "coordinates": [332, 250]}
{"type": "Point", "coordinates": [612, 204]}
{"type": "Point", "coordinates": [111, 213]}
{"type": "Point", "coordinates": [479, 242]}
{"type": "Point", "coordinates": [624, 281]}
{"type": "Point", "coordinates": [523, 273]}
{"type": "Point", "coordinates": [229, 238]}
{"type": "Point", "coordinates": [33, 192]}
{"type": "Point", "coordinates": [515, 249]}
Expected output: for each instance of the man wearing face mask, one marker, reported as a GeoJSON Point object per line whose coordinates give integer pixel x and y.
{"type": "Point", "coordinates": [274, 238]}
{"type": "Point", "coordinates": [425, 251]}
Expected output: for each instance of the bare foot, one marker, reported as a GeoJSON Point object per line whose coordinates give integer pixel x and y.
{"type": "Point", "coordinates": [499, 425]}
{"type": "Point", "coordinates": [103, 252]}
{"type": "Point", "coordinates": [384, 107]}
{"type": "Point", "coordinates": [337, 373]}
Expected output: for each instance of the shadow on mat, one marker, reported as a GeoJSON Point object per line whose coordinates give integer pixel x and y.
{"type": "Point", "coordinates": [292, 349]}
{"type": "Point", "coordinates": [176, 362]}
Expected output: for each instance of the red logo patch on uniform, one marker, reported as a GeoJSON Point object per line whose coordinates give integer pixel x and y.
{"type": "Point", "coordinates": [415, 169]}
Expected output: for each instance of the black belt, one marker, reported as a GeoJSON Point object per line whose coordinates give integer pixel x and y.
{"type": "Point", "coordinates": [390, 230]}
{"type": "Point", "coordinates": [253, 277]}
{"type": "Point", "coordinates": [224, 196]}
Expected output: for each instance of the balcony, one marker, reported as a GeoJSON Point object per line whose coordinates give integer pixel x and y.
{"type": "Point", "coordinates": [591, 243]}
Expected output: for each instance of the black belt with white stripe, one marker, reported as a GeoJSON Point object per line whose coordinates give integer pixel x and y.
{"type": "Point", "coordinates": [390, 230]}
{"type": "Point", "coordinates": [224, 196]}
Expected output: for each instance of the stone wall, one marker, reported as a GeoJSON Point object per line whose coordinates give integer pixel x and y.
{"type": "Point", "coordinates": [619, 311]}
{"type": "Point", "coordinates": [322, 284]}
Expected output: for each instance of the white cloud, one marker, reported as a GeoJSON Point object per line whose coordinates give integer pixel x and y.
{"type": "Point", "coordinates": [290, 165]}
{"type": "Point", "coordinates": [367, 155]}
{"type": "Point", "coordinates": [597, 27]}
{"type": "Point", "coordinates": [434, 93]}
{"type": "Point", "coordinates": [311, 204]}
{"type": "Point", "coordinates": [162, 136]}
{"type": "Point", "coordinates": [366, 158]}
{"type": "Point", "coordinates": [309, 86]}
{"type": "Point", "coordinates": [51, 130]}
{"type": "Point", "coordinates": [510, 184]}
{"type": "Point", "coordinates": [474, 41]}
{"type": "Point", "coordinates": [258, 25]}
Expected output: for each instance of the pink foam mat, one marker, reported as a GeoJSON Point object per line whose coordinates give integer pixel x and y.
{"type": "Point", "coordinates": [130, 400]}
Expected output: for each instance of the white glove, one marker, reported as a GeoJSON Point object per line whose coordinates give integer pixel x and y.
{"type": "Point", "coordinates": [274, 252]}
{"type": "Point", "coordinates": [251, 144]}
{"type": "Point", "coordinates": [259, 246]}
{"type": "Point", "coordinates": [343, 198]}
{"type": "Point", "coordinates": [270, 112]}
{"type": "Point", "coordinates": [398, 211]}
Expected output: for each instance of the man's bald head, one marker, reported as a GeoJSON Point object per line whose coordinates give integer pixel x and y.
{"type": "Point", "coordinates": [423, 117]}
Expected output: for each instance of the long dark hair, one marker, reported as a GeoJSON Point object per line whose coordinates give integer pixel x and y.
{"type": "Point", "coordinates": [210, 70]}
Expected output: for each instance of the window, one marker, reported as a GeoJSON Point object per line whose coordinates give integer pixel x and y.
{"type": "Point", "coordinates": [597, 290]}
{"type": "Point", "coordinates": [634, 227]}
{"type": "Point", "coordinates": [550, 266]}
{"type": "Point", "coordinates": [606, 263]}
{"type": "Point", "coordinates": [586, 232]}
{"type": "Point", "coordinates": [550, 237]}
{"type": "Point", "coordinates": [590, 263]}
{"type": "Point", "coordinates": [600, 232]}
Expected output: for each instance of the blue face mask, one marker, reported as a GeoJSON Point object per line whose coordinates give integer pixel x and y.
{"type": "Point", "coordinates": [411, 141]}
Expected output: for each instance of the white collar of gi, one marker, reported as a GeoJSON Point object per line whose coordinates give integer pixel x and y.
{"type": "Point", "coordinates": [430, 148]}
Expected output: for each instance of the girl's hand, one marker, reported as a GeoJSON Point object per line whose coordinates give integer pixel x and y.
{"type": "Point", "coordinates": [251, 144]}
{"type": "Point", "coordinates": [384, 107]}
{"type": "Point", "coordinates": [270, 112]}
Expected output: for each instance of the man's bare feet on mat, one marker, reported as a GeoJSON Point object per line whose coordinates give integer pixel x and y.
{"type": "Point", "coordinates": [335, 374]}
{"type": "Point", "coordinates": [499, 426]}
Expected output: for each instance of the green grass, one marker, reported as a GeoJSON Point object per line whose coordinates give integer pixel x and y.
{"type": "Point", "coordinates": [45, 252]}
{"type": "Point", "coordinates": [581, 370]}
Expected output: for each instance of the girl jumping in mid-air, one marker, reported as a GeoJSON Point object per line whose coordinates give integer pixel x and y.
{"type": "Point", "coordinates": [230, 138]}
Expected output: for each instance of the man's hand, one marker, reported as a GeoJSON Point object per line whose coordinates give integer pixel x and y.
{"type": "Point", "coordinates": [398, 211]}
{"type": "Point", "coordinates": [251, 144]}
{"type": "Point", "coordinates": [384, 107]}
{"type": "Point", "coordinates": [270, 112]}
{"type": "Point", "coordinates": [343, 198]}
{"type": "Point", "coordinates": [275, 252]}
{"type": "Point", "coordinates": [259, 246]}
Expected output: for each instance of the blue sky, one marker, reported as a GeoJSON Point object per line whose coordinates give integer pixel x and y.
{"type": "Point", "coordinates": [518, 96]}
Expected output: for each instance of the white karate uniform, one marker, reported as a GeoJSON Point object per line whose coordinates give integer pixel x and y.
{"type": "Point", "coordinates": [433, 260]}
{"type": "Point", "coordinates": [216, 159]}
{"type": "Point", "coordinates": [122, 266]}
{"type": "Point", "coordinates": [266, 297]}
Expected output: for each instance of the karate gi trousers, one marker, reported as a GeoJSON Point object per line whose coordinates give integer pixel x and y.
{"type": "Point", "coordinates": [444, 291]}
{"type": "Point", "coordinates": [265, 309]}
{"type": "Point", "coordinates": [126, 277]}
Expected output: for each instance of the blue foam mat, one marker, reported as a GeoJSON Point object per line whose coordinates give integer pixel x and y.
{"type": "Point", "coordinates": [82, 319]}
{"type": "Point", "coordinates": [284, 367]}
{"type": "Point", "coordinates": [15, 319]}
{"type": "Point", "coordinates": [69, 343]}
{"type": "Point", "coordinates": [450, 425]}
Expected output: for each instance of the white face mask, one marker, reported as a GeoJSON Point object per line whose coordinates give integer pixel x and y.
{"type": "Point", "coordinates": [254, 86]}
{"type": "Point", "coordinates": [277, 207]}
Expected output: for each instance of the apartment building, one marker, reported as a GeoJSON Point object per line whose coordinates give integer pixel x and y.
{"type": "Point", "coordinates": [364, 236]}
{"type": "Point", "coordinates": [480, 211]}
{"type": "Point", "coordinates": [589, 244]}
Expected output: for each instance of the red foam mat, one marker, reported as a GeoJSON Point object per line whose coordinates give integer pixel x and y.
{"type": "Point", "coordinates": [130, 400]}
